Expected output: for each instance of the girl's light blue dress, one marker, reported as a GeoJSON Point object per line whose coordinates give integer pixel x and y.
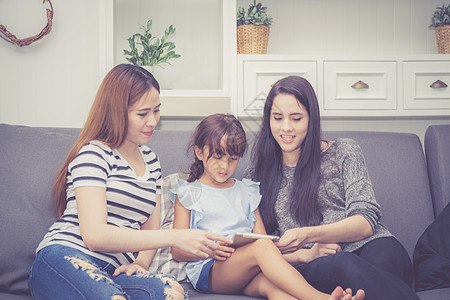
{"type": "Point", "coordinates": [221, 211]}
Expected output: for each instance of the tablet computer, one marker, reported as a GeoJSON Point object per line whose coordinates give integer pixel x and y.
{"type": "Point", "coordinates": [241, 239]}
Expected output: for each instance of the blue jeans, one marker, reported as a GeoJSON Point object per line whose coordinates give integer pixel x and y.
{"type": "Point", "coordinates": [61, 272]}
{"type": "Point", "coordinates": [381, 275]}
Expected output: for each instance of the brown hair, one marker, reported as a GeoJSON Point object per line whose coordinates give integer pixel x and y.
{"type": "Point", "coordinates": [210, 132]}
{"type": "Point", "coordinates": [107, 122]}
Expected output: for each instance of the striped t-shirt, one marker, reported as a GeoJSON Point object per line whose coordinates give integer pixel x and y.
{"type": "Point", "coordinates": [130, 198]}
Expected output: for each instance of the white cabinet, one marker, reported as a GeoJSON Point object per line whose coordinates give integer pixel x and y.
{"type": "Point", "coordinates": [350, 85]}
{"type": "Point", "coordinates": [426, 85]}
{"type": "Point", "coordinates": [257, 77]}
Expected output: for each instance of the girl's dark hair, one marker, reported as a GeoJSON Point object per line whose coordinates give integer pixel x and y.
{"type": "Point", "coordinates": [268, 168]}
{"type": "Point", "coordinates": [210, 132]}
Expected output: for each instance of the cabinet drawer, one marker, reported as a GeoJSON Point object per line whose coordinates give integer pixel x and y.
{"type": "Point", "coordinates": [426, 85]}
{"type": "Point", "coordinates": [360, 85]}
{"type": "Point", "coordinates": [258, 77]}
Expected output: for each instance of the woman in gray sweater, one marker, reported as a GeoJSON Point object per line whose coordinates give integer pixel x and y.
{"type": "Point", "coordinates": [317, 195]}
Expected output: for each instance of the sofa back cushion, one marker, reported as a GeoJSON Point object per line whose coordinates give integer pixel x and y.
{"type": "Point", "coordinates": [29, 160]}
{"type": "Point", "coordinates": [437, 150]}
{"type": "Point", "coordinates": [163, 262]}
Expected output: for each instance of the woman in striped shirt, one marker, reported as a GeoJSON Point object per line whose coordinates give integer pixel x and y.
{"type": "Point", "coordinates": [107, 194]}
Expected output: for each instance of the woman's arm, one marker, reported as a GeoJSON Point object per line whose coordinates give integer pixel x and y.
{"type": "Point", "coordinates": [100, 236]}
{"type": "Point", "coordinates": [145, 257]}
{"type": "Point", "coordinates": [350, 229]}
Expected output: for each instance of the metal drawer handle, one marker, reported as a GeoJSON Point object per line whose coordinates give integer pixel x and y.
{"type": "Point", "coordinates": [360, 85]}
{"type": "Point", "coordinates": [438, 85]}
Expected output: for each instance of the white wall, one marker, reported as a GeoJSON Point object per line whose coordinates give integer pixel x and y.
{"type": "Point", "coordinates": [351, 26]}
{"type": "Point", "coordinates": [53, 81]}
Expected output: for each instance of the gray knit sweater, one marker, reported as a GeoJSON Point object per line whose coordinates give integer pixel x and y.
{"type": "Point", "coordinates": [345, 190]}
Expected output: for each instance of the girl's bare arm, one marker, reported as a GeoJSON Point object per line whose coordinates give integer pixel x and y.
{"type": "Point", "coordinates": [259, 227]}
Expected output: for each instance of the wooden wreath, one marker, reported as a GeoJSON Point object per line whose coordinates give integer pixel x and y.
{"type": "Point", "coordinates": [11, 38]}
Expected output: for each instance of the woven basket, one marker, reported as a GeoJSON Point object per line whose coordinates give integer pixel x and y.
{"type": "Point", "coordinates": [252, 39]}
{"type": "Point", "coordinates": [443, 39]}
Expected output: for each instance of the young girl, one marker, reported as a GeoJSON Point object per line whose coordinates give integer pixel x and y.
{"type": "Point", "coordinates": [108, 196]}
{"type": "Point", "coordinates": [211, 200]}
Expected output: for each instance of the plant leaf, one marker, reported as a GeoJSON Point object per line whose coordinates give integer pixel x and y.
{"type": "Point", "coordinates": [152, 50]}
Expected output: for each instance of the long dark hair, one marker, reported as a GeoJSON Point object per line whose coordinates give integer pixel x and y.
{"type": "Point", "coordinates": [268, 167]}
{"type": "Point", "coordinates": [210, 132]}
{"type": "Point", "coordinates": [107, 122]}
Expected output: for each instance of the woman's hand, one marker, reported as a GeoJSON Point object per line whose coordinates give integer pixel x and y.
{"type": "Point", "coordinates": [130, 269]}
{"type": "Point", "coordinates": [292, 239]}
{"type": "Point", "coordinates": [199, 242]}
{"type": "Point", "coordinates": [321, 249]}
{"type": "Point", "coordinates": [222, 252]}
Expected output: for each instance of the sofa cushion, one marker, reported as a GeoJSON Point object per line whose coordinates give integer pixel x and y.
{"type": "Point", "coordinates": [163, 261]}
{"type": "Point", "coordinates": [29, 160]}
{"type": "Point", "coordinates": [434, 294]}
{"type": "Point", "coordinates": [193, 294]}
{"type": "Point", "coordinates": [437, 150]}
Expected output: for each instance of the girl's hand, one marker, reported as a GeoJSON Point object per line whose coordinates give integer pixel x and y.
{"type": "Point", "coordinates": [222, 252]}
{"type": "Point", "coordinates": [292, 240]}
{"type": "Point", "coordinates": [320, 249]}
{"type": "Point", "coordinates": [199, 242]}
{"type": "Point", "coordinates": [130, 269]}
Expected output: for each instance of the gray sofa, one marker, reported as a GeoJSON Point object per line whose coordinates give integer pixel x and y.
{"type": "Point", "coordinates": [29, 158]}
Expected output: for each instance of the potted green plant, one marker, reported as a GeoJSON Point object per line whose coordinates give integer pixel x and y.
{"type": "Point", "coordinates": [440, 21]}
{"type": "Point", "coordinates": [253, 27]}
{"type": "Point", "coordinates": [148, 50]}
